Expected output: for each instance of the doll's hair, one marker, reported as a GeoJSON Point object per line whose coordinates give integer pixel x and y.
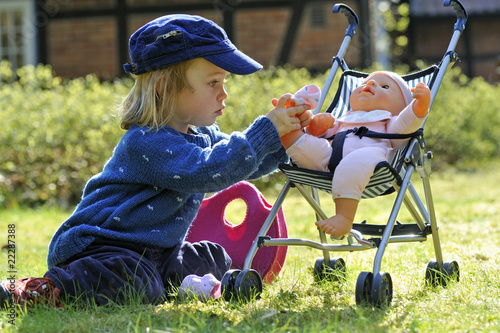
{"type": "Point", "coordinates": [144, 106]}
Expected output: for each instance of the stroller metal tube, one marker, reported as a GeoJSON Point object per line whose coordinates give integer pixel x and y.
{"type": "Point", "coordinates": [419, 203]}
{"type": "Point", "coordinates": [267, 224]}
{"type": "Point", "coordinates": [433, 220]}
{"type": "Point", "coordinates": [411, 209]}
{"type": "Point", "coordinates": [332, 73]}
{"type": "Point", "coordinates": [407, 239]}
{"type": "Point", "coordinates": [411, 206]}
{"type": "Point", "coordinates": [311, 201]}
{"type": "Point", "coordinates": [392, 220]}
{"type": "Point", "coordinates": [353, 20]}
{"type": "Point", "coordinates": [450, 52]}
{"type": "Point", "coordinates": [316, 245]}
{"type": "Point", "coordinates": [322, 234]}
{"type": "Point", "coordinates": [444, 65]}
{"type": "Point", "coordinates": [461, 14]}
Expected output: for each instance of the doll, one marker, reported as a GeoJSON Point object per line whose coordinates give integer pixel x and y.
{"type": "Point", "coordinates": [382, 103]}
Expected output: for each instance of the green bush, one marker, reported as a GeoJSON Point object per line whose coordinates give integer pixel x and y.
{"type": "Point", "coordinates": [463, 124]}
{"type": "Point", "coordinates": [60, 133]}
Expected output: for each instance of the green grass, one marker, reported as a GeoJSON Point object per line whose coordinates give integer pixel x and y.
{"type": "Point", "coordinates": [468, 207]}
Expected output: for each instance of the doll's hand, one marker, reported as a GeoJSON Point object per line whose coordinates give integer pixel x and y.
{"type": "Point", "coordinates": [320, 124]}
{"type": "Point", "coordinates": [289, 103]}
{"type": "Point", "coordinates": [422, 96]}
{"type": "Point", "coordinates": [304, 117]}
{"type": "Point", "coordinates": [284, 115]}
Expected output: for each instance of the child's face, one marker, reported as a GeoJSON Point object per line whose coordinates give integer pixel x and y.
{"type": "Point", "coordinates": [378, 92]}
{"type": "Point", "coordinates": [201, 103]}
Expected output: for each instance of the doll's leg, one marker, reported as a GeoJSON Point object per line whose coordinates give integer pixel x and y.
{"type": "Point", "coordinates": [340, 223]}
{"type": "Point", "coordinates": [351, 177]}
{"type": "Point", "coordinates": [311, 153]}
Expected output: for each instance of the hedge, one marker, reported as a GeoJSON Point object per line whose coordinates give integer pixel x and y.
{"type": "Point", "coordinates": [58, 133]}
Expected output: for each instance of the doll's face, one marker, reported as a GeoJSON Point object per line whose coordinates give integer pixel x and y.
{"type": "Point", "coordinates": [378, 92]}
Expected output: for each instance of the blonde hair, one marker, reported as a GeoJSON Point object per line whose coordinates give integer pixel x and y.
{"type": "Point", "coordinates": [144, 106]}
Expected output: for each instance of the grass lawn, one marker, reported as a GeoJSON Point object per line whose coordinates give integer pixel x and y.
{"type": "Point", "coordinates": [467, 205]}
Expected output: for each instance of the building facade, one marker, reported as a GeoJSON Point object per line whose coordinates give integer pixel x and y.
{"type": "Point", "coordinates": [80, 37]}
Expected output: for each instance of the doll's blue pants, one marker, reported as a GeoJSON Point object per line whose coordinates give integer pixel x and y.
{"type": "Point", "coordinates": [117, 271]}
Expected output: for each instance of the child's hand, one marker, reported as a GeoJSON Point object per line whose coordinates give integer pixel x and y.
{"type": "Point", "coordinates": [304, 117]}
{"type": "Point", "coordinates": [290, 103]}
{"type": "Point", "coordinates": [308, 95]}
{"type": "Point", "coordinates": [422, 96]}
{"type": "Point", "coordinates": [284, 118]}
{"type": "Point", "coordinates": [320, 124]}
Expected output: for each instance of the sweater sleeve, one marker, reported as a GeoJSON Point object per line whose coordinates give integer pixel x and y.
{"type": "Point", "coordinates": [198, 163]}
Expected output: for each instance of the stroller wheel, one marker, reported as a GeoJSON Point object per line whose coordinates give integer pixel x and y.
{"type": "Point", "coordinates": [450, 272]}
{"type": "Point", "coordinates": [432, 274]}
{"type": "Point", "coordinates": [334, 271]}
{"type": "Point", "coordinates": [227, 283]}
{"type": "Point", "coordinates": [248, 285]}
{"type": "Point", "coordinates": [382, 290]}
{"type": "Point", "coordinates": [364, 287]}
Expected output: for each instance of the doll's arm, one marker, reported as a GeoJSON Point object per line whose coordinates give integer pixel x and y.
{"type": "Point", "coordinates": [422, 100]}
{"type": "Point", "coordinates": [308, 95]}
{"type": "Point", "coordinates": [320, 123]}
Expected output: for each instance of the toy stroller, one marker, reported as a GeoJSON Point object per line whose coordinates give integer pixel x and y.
{"type": "Point", "coordinates": [371, 287]}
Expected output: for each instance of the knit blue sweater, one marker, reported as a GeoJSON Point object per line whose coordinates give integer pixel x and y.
{"type": "Point", "coordinates": [150, 190]}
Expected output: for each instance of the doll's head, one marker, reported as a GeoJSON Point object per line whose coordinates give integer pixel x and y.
{"type": "Point", "coordinates": [381, 91]}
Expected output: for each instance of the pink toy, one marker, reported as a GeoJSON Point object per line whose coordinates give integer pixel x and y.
{"type": "Point", "coordinates": [205, 287]}
{"type": "Point", "coordinates": [211, 224]}
{"type": "Point", "coordinates": [309, 94]}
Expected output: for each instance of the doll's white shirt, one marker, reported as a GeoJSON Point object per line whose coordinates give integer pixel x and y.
{"type": "Point", "coordinates": [356, 117]}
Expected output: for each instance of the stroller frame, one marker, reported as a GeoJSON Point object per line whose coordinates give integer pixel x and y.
{"type": "Point", "coordinates": [371, 287]}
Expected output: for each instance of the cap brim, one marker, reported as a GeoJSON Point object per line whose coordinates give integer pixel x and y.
{"type": "Point", "coordinates": [235, 62]}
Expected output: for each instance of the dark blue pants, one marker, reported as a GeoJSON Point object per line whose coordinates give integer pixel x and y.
{"type": "Point", "coordinates": [115, 271]}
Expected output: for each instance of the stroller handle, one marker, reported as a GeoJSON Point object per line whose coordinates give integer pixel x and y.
{"type": "Point", "coordinates": [351, 16]}
{"type": "Point", "coordinates": [459, 11]}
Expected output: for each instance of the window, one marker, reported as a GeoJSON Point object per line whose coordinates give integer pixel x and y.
{"type": "Point", "coordinates": [318, 15]}
{"type": "Point", "coordinates": [17, 34]}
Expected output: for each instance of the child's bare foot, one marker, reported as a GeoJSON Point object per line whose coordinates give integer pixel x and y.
{"type": "Point", "coordinates": [336, 225]}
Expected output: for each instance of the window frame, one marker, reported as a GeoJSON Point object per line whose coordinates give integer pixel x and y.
{"type": "Point", "coordinates": [29, 32]}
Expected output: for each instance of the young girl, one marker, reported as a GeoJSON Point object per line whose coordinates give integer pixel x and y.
{"type": "Point", "coordinates": [126, 237]}
{"type": "Point", "coordinates": [383, 103]}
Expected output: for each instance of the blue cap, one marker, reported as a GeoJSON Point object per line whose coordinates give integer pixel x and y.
{"type": "Point", "coordinates": [172, 39]}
